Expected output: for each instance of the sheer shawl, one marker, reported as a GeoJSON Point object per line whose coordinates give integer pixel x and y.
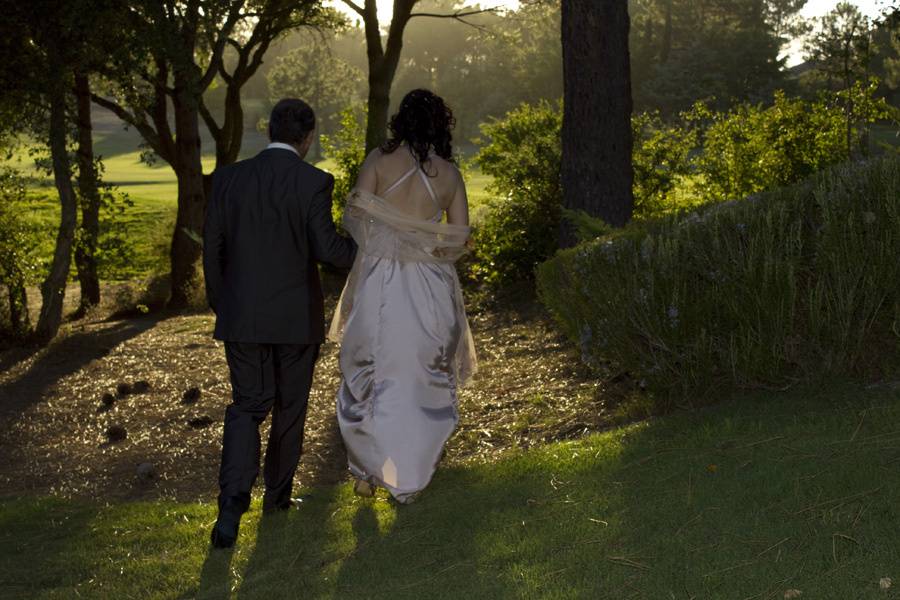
{"type": "Point", "coordinates": [383, 231]}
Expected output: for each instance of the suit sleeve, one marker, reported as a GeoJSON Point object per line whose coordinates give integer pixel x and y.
{"type": "Point", "coordinates": [327, 245]}
{"type": "Point", "coordinates": [214, 251]}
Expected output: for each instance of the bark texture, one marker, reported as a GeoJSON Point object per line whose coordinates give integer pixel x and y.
{"type": "Point", "coordinates": [53, 288]}
{"type": "Point", "coordinates": [597, 172]}
{"type": "Point", "coordinates": [89, 195]}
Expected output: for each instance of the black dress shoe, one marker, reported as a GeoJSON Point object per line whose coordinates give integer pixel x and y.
{"type": "Point", "coordinates": [225, 531]}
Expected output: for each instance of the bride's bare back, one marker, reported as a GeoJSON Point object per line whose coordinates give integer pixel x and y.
{"type": "Point", "coordinates": [398, 178]}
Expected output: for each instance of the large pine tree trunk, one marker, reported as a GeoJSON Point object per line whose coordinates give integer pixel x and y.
{"type": "Point", "coordinates": [185, 251]}
{"type": "Point", "coordinates": [53, 288]}
{"type": "Point", "coordinates": [86, 249]}
{"type": "Point", "coordinates": [597, 172]}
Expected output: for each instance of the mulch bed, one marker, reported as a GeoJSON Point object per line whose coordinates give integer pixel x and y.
{"type": "Point", "coordinates": [132, 408]}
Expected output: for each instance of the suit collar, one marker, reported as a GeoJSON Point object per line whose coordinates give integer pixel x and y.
{"type": "Point", "coordinates": [281, 146]}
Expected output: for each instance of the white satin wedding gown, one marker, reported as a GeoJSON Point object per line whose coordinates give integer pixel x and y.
{"type": "Point", "coordinates": [406, 344]}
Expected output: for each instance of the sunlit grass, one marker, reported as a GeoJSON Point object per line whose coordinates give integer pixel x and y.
{"type": "Point", "coordinates": [756, 496]}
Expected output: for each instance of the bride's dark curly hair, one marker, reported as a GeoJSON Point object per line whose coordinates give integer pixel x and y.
{"type": "Point", "coordinates": [424, 121]}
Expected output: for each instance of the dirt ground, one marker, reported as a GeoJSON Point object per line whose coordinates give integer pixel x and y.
{"type": "Point", "coordinates": [55, 427]}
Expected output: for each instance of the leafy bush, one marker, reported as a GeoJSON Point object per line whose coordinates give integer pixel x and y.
{"type": "Point", "coordinates": [661, 158]}
{"type": "Point", "coordinates": [795, 282]}
{"type": "Point", "coordinates": [347, 149]}
{"type": "Point", "coordinates": [521, 224]}
{"type": "Point", "coordinates": [18, 264]}
{"type": "Point", "coordinates": [753, 148]}
{"type": "Point", "coordinates": [523, 155]}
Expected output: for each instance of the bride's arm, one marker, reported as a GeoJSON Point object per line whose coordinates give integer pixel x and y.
{"type": "Point", "coordinates": [458, 211]}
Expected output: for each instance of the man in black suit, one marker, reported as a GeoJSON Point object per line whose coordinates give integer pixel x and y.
{"type": "Point", "coordinates": [267, 226]}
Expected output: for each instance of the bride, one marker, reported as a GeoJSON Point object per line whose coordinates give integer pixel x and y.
{"type": "Point", "coordinates": [406, 346]}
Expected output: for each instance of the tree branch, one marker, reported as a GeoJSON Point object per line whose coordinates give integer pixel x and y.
{"type": "Point", "coordinates": [234, 15]}
{"type": "Point", "coordinates": [356, 8]}
{"type": "Point", "coordinates": [458, 15]}
{"type": "Point", "coordinates": [210, 121]}
{"type": "Point", "coordinates": [144, 128]}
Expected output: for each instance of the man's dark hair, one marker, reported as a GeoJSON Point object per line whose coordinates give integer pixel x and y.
{"type": "Point", "coordinates": [291, 121]}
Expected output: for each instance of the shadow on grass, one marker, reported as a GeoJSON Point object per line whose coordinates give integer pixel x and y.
{"type": "Point", "coordinates": [747, 499]}
{"type": "Point", "coordinates": [288, 543]}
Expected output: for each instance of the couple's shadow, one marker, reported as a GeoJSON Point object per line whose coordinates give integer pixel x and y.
{"type": "Point", "coordinates": [288, 544]}
{"type": "Point", "coordinates": [289, 549]}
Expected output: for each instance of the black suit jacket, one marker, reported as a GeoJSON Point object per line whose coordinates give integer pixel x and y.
{"type": "Point", "coordinates": [268, 222]}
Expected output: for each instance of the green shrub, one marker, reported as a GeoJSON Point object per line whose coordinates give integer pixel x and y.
{"type": "Point", "coordinates": [18, 263]}
{"type": "Point", "coordinates": [523, 156]}
{"type": "Point", "coordinates": [796, 282]}
{"type": "Point", "coordinates": [521, 222]}
{"type": "Point", "coordinates": [661, 159]}
{"type": "Point", "coordinates": [347, 149]}
{"type": "Point", "coordinates": [754, 148]}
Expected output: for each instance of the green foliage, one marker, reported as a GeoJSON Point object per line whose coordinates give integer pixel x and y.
{"type": "Point", "coordinates": [753, 148]}
{"type": "Point", "coordinates": [347, 149]}
{"type": "Point", "coordinates": [18, 263]}
{"type": "Point", "coordinates": [523, 156]}
{"type": "Point", "coordinates": [797, 282]}
{"type": "Point", "coordinates": [687, 50]}
{"type": "Point", "coordinates": [661, 159]}
{"type": "Point", "coordinates": [587, 227]}
{"type": "Point", "coordinates": [314, 73]}
{"type": "Point", "coordinates": [521, 225]}
{"type": "Point", "coordinates": [840, 46]}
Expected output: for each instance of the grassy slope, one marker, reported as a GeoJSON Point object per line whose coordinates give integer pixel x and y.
{"type": "Point", "coordinates": [802, 495]}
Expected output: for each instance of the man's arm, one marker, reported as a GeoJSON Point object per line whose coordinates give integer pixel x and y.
{"type": "Point", "coordinates": [327, 245]}
{"type": "Point", "coordinates": [214, 245]}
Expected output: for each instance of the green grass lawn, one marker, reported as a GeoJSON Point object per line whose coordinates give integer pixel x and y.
{"type": "Point", "coordinates": [770, 492]}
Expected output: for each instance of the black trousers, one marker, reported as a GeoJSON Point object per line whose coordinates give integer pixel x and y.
{"type": "Point", "coordinates": [264, 378]}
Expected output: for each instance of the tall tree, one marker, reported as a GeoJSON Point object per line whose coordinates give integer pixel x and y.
{"type": "Point", "coordinates": [384, 56]}
{"type": "Point", "coordinates": [315, 73]}
{"type": "Point", "coordinates": [725, 51]}
{"type": "Point", "coordinates": [46, 42]}
{"type": "Point", "coordinates": [89, 197]}
{"type": "Point", "coordinates": [597, 172]}
{"type": "Point", "coordinates": [178, 50]}
{"type": "Point", "coordinates": [841, 49]}
{"type": "Point", "coordinates": [39, 76]}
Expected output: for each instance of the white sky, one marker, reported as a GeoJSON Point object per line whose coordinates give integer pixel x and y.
{"type": "Point", "coordinates": [813, 8]}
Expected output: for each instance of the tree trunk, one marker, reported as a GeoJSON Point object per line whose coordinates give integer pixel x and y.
{"type": "Point", "coordinates": [232, 133]}
{"type": "Point", "coordinates": [86, 249]}
{"type": "Point", "coordinates": [185, 251]}
{"type": "Point", "coordinates": [597, 171]}
{"type": "Point", "coordinates": [54, 286]}
{"type": "Point", "coordinates": [383, 63]}
{"type": "Point", "coordinates": [378, 106]}
{"type": "Point", "coordinates": [17, 295]}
